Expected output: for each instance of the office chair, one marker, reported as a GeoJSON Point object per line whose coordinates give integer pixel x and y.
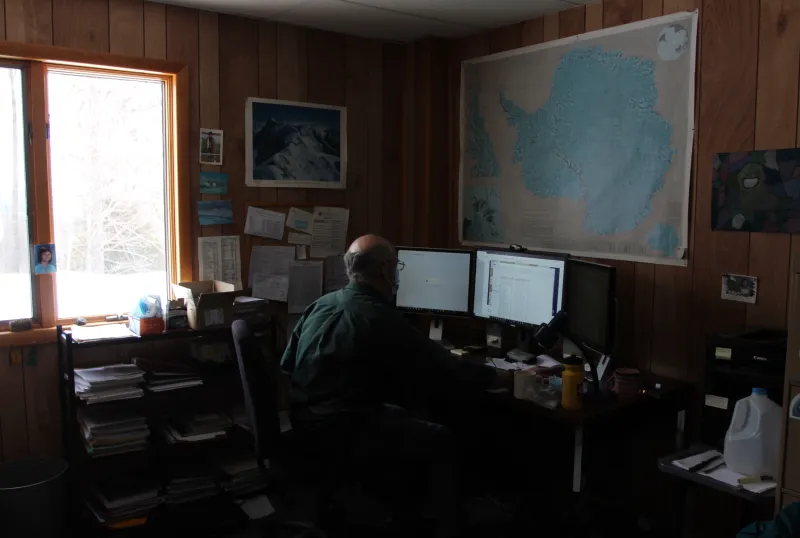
{"type": "Point", "coordinates": [259, 384]}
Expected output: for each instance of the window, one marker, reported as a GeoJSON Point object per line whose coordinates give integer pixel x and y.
{"type": "Point", "coordinates": [15, 267]}
{"type": "Point", "coordinates": [107, 177]}
{"type": "Point", "coordinates": [93, 158]}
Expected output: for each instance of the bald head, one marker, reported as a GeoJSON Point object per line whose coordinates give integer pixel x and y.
{"type": "Point", "coordinates": [371, 260]}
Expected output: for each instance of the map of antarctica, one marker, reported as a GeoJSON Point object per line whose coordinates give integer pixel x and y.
{"type": "Point", "coordinates": [583, 145]}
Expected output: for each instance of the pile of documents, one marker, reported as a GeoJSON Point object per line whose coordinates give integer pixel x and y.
{"type": "Point", "coordinates": [241, 475]}
{"type": "Point", "coordinates": [711, 464]}
{"type": "Point", "coordinates": [161, 376]}
{"type": "Point", "coordinates": [189, 483]}
{"type": "Point", "coordinates": [195, 428]}
{"type": "Point", "coordinates": [248, 308]}
{"type": "Point", "coordinates": [123, 499]}
{"type": "Point", "coordinates": [112, 431]}
{"type": "Point", "coordinates": [108, 383]}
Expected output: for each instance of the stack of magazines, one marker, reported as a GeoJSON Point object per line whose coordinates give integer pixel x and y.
{"type": "Point", "coordinates": [108, 383]}
{"type": "Point", "coordinates": [112, 432]}
{"type": "Point", "coordinates": [189, 483]}
{"type": "Point", "coordinates": [241, 475]}
{"type": "Point", "coordinates": [194, 428]}
{"type": "Point", "coordinates": [161, 376]}
{"type": "Point", "coordinates": [115, 501]}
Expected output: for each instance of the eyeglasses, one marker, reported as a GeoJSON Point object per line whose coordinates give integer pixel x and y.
{"type": "Point", "coordinates": [400, 265]}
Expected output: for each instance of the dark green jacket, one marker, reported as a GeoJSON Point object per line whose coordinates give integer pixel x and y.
{"type": "Point", "coordinates": [352, 351]}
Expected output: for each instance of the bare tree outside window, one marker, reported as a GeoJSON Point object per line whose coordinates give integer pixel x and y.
{"type": "Point", "coordinates": [108, 176]}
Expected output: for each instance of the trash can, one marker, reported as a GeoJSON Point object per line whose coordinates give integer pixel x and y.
{"type": "Point", "coordinates": [33, 498]}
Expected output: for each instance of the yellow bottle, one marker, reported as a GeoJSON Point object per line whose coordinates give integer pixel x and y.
{"type": "Point", "coordinates": [572, 384]}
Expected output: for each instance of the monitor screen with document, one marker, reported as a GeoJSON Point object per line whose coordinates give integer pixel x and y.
{"type": "Point", "coordinates": [434, 280]}
{"type": "Point", "coordinates": [520, 288]}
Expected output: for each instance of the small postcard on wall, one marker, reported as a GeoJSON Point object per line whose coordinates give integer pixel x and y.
{"type": "Point", "coordinates": [213, 183]}
{"type": "Point", "coordinates": [215, 212]}
{"type": "Point", "coordinates": [741, 288]}
{"type": "Point", "coordinates": [211, 146]}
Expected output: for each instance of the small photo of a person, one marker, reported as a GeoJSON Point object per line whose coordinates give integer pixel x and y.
{"type": "Point", "coordinates": [45, 260]}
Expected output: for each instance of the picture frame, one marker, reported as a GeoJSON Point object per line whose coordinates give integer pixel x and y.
{"type": "Point", "coordinates": [289, 144]}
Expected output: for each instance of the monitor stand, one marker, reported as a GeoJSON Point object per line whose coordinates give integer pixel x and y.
{"type": "Point", "coordinates": [435, 333]}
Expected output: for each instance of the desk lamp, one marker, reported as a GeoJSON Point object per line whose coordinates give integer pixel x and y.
{"type": "Point", "coordinates": [547, 336]}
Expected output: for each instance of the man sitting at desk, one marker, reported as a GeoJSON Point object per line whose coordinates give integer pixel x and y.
{"type": "Point", "coordinates": [352, 353]}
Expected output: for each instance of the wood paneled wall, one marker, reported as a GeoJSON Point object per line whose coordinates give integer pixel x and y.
{"type": "Point", "coordinates": [747, 98]}
{"type": "Point", "coordinates": [230, 58]}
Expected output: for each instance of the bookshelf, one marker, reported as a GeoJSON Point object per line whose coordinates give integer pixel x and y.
{"type": "Point", "coordinates": [170, 467]}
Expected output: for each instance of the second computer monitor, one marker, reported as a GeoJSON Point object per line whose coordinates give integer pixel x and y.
{"type": "Point", "coordinates": [436, 281]}
{"type": "Point", "coordinates": [589, 300]}
{"type": "Point", "coordinates": [519, 288]}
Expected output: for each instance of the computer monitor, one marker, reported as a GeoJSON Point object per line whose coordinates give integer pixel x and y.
{"type": "Point", "coordinates": [520, 288]}
{"type": "Point", "coordinates": [590, 304]}
{"type": "Point", "coordinates": [434, 281]}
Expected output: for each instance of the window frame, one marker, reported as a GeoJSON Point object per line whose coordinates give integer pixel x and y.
{"type": "Point", "coordinates": [35, 61]}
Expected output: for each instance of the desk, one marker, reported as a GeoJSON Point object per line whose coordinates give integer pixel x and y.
{"type": "Point", "coordinates": [665, 465]}
{"type": "Point", "coordinates": [598, 409]}
{"type": "Point", "coordinates": [762, 503]}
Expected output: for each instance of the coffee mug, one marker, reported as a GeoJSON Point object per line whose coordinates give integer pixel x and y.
{"type": "Point", "coordinates": [625, 382]}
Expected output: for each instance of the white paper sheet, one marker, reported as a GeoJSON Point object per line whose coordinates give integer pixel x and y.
{"type": "Point", "coordinates": [305, 285]}
{"type": "Point", "coordinates": [335, 274]}
{"type": "Point", "coordinates": [330, 231]}
{"type": "Point", "coordinates": [220, 259]}
{"type": "Point", "coordinates": [272, 261]}
{"type": "Point", "coordinates": [732, 478]}
{"type": "Point", "coordinates": [274, 288]}
{"type": "Point", "coordinates": [264, 223]}
{"type": "Point", "coordinates": [300, 220]}
{"type": "Point", "coordinates": [300, 252]}
{"type": "Point", "coordinates": [298, 239]}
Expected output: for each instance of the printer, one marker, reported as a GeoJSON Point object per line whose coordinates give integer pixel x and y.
{"type": "Point", "coordinates": [735, 363]}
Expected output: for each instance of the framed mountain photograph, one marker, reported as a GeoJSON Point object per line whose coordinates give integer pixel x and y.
{"type": "Point", "coordinates": [290, 144]}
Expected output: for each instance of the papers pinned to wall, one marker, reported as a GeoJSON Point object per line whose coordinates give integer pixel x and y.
{"type": "Point", "coordinates": [264, 223]}
{"type": "Point", "coordinates": [271, 261]}
{"type": "Point", "coordinates": [329, 231]}
{"type": "Point", "coordinates": [305, 285]}
{"type": "Point", "coordinates": [220, 259]}
{"type": "Point", "coordinates": [300, 220]}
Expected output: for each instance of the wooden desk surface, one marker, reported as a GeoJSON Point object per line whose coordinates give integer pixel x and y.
{"type": "Point", "coordinates": [596, 408]}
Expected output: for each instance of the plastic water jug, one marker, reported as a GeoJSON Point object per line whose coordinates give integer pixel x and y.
{"type": "Point", "coordinates": [753, 438]}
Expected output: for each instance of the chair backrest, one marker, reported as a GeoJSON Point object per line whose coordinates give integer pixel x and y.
{"type": "Point", "coordinates": [258, 368]}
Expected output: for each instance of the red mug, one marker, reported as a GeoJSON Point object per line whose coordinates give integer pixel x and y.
{"type": "Point", "coordinates": [625, 382]}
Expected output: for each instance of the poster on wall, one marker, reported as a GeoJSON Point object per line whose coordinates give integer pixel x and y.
{"type": "Point", "coordinates": [583, 145]}
{"type": "Point", "coordinates": [290, 144]}
{"type": "Point", "coordinates": [756, 191]}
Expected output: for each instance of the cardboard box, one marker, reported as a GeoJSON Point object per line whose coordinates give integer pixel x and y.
{"type": "Point", "coordinates": [209, 303]}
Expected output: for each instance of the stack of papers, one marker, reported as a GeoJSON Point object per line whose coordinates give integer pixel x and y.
{"type": "Point", "coordinates": [241, 476]}
{"type": "Point", "coordinates": [716, 470]}
{"type": "Point", "coordinates": [711, 456]}
{"type": "Point", "coordinates": [725, 475]}
{"type": "Point", "coordinates": [161, 376]}
{"type": "Point", "coordinates": [191, 429]}
{"type": "Point", "coordinates": [108, 432]}
{"type": "Point", "coordinates": [123, 499]}
{"type": "Point", "coordinates": [108, 383]}
{"type": "Point", "coordinates": [248, 307]}
{"type": "Point", "coordinates": [190, 483]}
{"type": "Point", "coordinates": [91, 333]}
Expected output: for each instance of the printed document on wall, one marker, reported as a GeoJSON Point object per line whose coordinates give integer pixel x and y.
{"type": "Point", "coordinates": [305, 285]}
{"type": "Point", "coordinates": [273, 288]}
{"type": "Point", "coordinates": [220, 259]}
{"type": "Point", "coordinates": [300, 220]}
{"type": "Point", "coordinates": [264, 223]}
{"type": "Point", "coordinates": [335, 274]}
{"type": "Point", "coordinates": [272, 261]}
{"type": "Point", "coordinates": [330, 231]}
